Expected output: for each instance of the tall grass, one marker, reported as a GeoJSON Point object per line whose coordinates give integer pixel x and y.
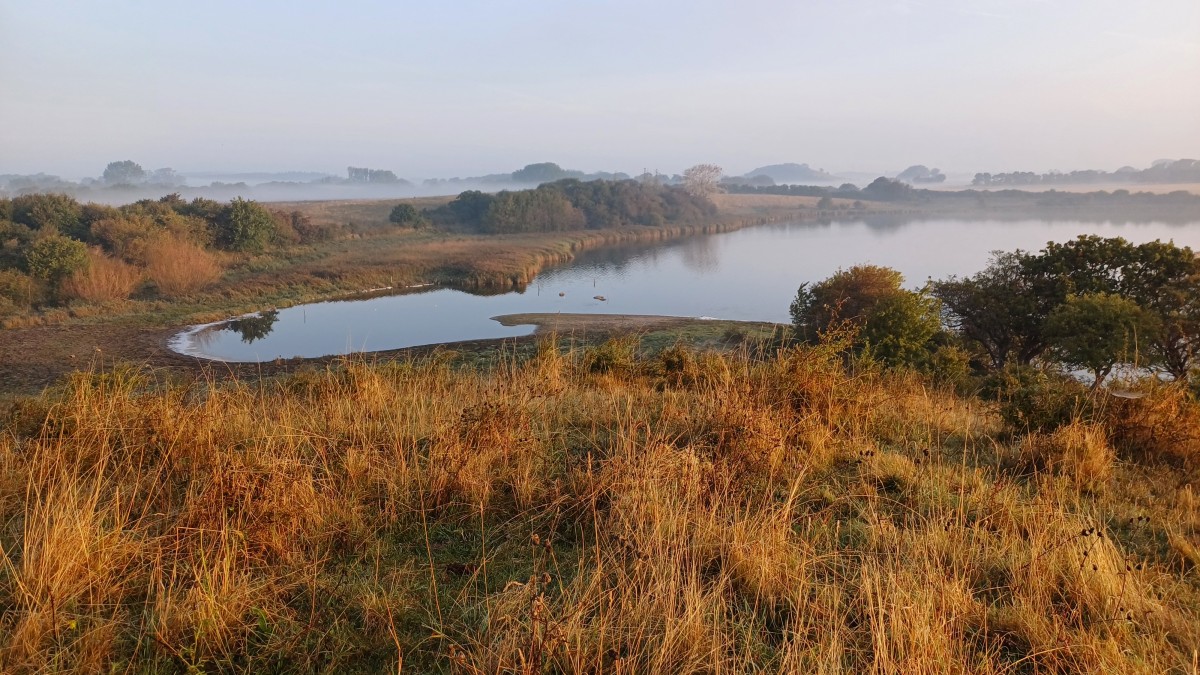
{"type": "Point", "coordinates": [105, 278]}
{"type": "Point", "coordinates": [779, 515]}
{"type": "Point", "coordinates": [178, 267]}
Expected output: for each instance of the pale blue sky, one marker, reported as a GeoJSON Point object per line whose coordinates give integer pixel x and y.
{"type": "Point", "coordinates": [471, 87]}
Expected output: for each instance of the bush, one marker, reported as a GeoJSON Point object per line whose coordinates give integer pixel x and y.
{"type": "Point", "coordinates": [1035, 400]}
{"type": "Point", "coordinates": [892, 324]}
{"type": "Point", "coordinates": [406, 214]}
{"type": "Point", "coordinates": [56, 257]}
{"type": "Point", "coordinates": [17, 292]}
{"type": "Point", "coordinates": [178, 267]}
{"type": "Point", "coordinates": [244, 226]}
{"type": "Point", "coordinates": [54, 212]}
{"type": "Point", "coordinates": [104, 278]}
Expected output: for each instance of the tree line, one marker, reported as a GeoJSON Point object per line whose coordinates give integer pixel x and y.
{"type": "Point", "coordinates": [1091, 304]}
{"type": "Point", "coordinates": [572, 204]}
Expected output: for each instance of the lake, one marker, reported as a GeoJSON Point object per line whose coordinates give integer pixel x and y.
{"type": "Point", "coordinates": [750, 274]}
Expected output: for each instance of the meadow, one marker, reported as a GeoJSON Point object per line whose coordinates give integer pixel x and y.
{"type": "Point", "coordinates": [574, 509]}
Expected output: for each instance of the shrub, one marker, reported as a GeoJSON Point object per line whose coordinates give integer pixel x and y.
{"type": "Point", "coordinates": [18, 291]}
{"type": "Point", "coordinates": [56, 257]}
{"type": "Point", "coordinates": [1035, 400]}
{"type": "Point", "coordinates": [244, 226]}
{"type": "Point", "coordinates": [104, 278]}
{"type": "Point", "coordinates": [178, 267]}
{"type": "Point", "coordinates": [125, 236]}
{"type": "Point", "coordinates": [406, 214]}
{"type": "Point", "coordinates": [53, 212]}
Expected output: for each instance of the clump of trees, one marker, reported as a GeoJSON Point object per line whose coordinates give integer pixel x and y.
{"type": "Point", "coordinates": [573, 204]}
{"type": "Point", "coordinates": [55, 249]}
{"type": "Point", "coordinates": [1090, 303]}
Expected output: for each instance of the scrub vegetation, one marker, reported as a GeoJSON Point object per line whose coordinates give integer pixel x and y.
{"type": "Point", "coordinates": [768, 509]}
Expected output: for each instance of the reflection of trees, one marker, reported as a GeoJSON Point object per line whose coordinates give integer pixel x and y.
{"type": "Point", "coordinates": [699, 254]}
{"type": "Point", "coordinates": [255, 327]}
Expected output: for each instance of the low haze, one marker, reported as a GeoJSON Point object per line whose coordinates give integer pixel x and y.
{"type": "Point", "coordinates": [470, 88]}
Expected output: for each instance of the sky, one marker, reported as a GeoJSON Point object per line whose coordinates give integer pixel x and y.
{"type": "Point", "coordinates": [439, 89]}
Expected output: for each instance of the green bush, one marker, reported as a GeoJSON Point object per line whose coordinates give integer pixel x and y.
{"type": "Point", "coordinates": [55, 257]}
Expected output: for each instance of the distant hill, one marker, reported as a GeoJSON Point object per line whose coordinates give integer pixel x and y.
{"type": "Point", "coordinates": [791, 173]}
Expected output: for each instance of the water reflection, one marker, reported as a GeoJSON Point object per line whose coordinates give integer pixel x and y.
{"type": "Point", "coordinates": [699, 254]}
{"type": "Point", "coordinates": [750, 274]}
{"type": "Point", "coordinates": [255, 327]}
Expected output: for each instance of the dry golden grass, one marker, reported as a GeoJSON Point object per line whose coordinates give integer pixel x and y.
{"type": "Point", "coordinates": [178, 267]}
{"type": "Point", "coordinates": [104, 279]}
{"type": "Point", "coordinates": [1078, 450]}
{"type": "Point", "coordinates": [779, 515]}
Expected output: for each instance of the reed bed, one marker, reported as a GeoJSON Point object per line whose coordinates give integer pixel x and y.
{"type": "Point", "coordinates": [686, 513]}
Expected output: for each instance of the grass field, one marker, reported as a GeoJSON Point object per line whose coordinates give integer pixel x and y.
{"type": "Point", "coordinates": [587, 511]}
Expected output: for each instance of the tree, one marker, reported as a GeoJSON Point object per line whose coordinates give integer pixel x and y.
{"type": "Point", "coordinates": [999, 309]}
{"type": "Point", "coordinates": [543, 172]}
{"type": "Point", "coordinates": [702, 179]}
{"type": "Point", "coordinates": [888, 190]}
{"type": "Point", "coordinates": [126, 172]}
{"type": "Point", "coordinates": [893, 324]}
{"type": "Point", "coordinates": [540, 210]}
{"type": "Point", "coordinates": [406, 214]}
{"type": "Point", "coordinates": [244, 226]}
{"type": "Point", "coordinates": [56, 257]}
{"type": "Point", "coordinates": [825, 203]}
{"type": "Point", "coordinates": [1097, 331]}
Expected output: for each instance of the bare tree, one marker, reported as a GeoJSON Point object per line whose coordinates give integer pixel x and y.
{"type": "Point", "coordinates": [702, 179]}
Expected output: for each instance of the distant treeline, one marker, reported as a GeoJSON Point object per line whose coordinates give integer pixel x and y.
{"type": "Point", "coordinates": [1162, 171]}
{"type": "Point", "coordinates": [573, 204]}
{"type": "Point", "coordinates": [888, 190]}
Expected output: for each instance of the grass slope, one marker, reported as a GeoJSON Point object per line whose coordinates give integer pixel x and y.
{"type": "Point", "coordinates": [581, 512]}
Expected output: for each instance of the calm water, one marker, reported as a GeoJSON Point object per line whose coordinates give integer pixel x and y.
{"type": "Point", "coordinates": [750, 274]}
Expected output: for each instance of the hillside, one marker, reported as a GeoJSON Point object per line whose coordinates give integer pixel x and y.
{"type": "Point", "coordinates": [592, 511]}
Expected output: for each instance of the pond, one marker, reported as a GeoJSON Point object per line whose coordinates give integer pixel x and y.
{"type": "Point", "coordinates": [750, 274]}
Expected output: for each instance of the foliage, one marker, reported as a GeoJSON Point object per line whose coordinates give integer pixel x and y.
{"type": "Point", "coordinates": [1097, 331]}
{"type": "Point", "coordinates": [997, 309]}
{"type": "Point", "coordinates": [127, 172]}
{"type": "Point", "coordinates": [244, 226]}
{"type": "Point", "coordinates": [887, 190]}
{"type": "Point", "coordinates": [543, 172]}
{"type": "Point", "coordinates": [560, 205]}
{"type": "Point", "coordinates": [1003, 309]}
{"type": "Point", "coordinates": [538, 210]}
{"type": "Point", "coordinates": [1031, 399]}
{"type": "Point", "coordinates": [51, 212]}
{"type": "Point", "coordinates": [891, 323]}
{"type": "Point", "coordinates": [56, 257]}
{"type": "Point", "coordinates": [406, 214]}
{"type": "Point", "coordinates": [18, 291]}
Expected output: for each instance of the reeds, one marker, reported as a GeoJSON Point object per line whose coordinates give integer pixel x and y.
{"type": "Point", "coordinates": [694, 513]}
